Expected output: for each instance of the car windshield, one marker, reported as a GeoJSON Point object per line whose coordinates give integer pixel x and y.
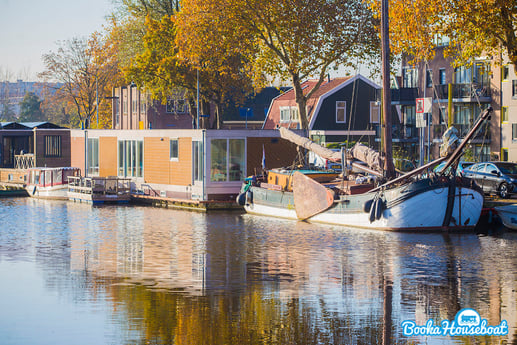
{"type": "Point", "coordinates": [507, 168]}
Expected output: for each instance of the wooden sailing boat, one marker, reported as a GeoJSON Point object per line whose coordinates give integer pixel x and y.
{"type": "Point", "coordinates": [408, 202]}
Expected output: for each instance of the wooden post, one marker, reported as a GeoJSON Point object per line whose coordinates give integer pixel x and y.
{"type": "Point", "coordinates": [386, 95]}
{"type": "Point", "coordinates": [449, 105]}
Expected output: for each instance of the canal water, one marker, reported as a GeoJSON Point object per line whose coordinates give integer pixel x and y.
{"type": "Point", "coordinates": [77, 274]}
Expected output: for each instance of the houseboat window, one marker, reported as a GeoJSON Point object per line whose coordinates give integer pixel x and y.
{"type": "Point", "coordinates": [218, 152]}
{"type": "Point", "coordinates": [130, 158]}
{"type": "Point", "coordinates": [93, 156]}
{"type": "Point", "coordinates": [340, 112]}
{"type": "Point", "coordinates": [197, 160]}
{"type": "Point", "coordinates": [228, 160]}
{"type": "Point", "coordinates": [237, 159]}
{"type": "Point", "coordinates": [173, 149]}
{"type": "Point", "coordinates": [52, 146]}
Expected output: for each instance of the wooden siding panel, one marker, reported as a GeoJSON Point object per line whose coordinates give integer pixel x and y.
{"type": "Point", "coordinates": [279, 153]}
{"type": "Point", "coordinates": [77, 153]}
{"type": "Point", "coordinates": [62, 161]}
{"type": "Point", "coordinates": [108, 159]}
{"type": "Point", "coordinates": [156, 160]}
{"type": "Point", "coordinates": [181, 171]}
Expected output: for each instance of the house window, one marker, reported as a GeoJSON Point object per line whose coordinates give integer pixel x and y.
{"type": "Point", "coordinates": [409, 115]}
{"type": "Point", "coordinates": [227, 160]}
{"type": "Point", "coordinates": [514, 131]}
{"type": "Point", "coordinates": [340, 112]}
{"type": "Point", "coordinates": [289, 114]}
{"type": "Point", "coordinates": [134, 107]}
{"type": "Point", "coordinates": [504, 155]}
{"type": "Point", "coordinates": [173, 149]}
{"type": "Point", "coordinates": [169, 108]}
{"type": "Point", "coordinates": [375, 112]}
{"type": "Point", "coordinates": [181, 106]}
{"type": "Point", "coordinates": [505, 72]}
{"type": "Point", "coordinates": [124, 102]}
{"type": "Point", "coordinates": [504, 114]}
{"type": "Point", "coordinates": [142, 106]}
{"type": "Point", "coordinates": [93, 156]}
{"type": "Point", "coordinates": [443, 76]}
{"type": "Point", "coordinates": [429, 78]}
{"type": "Point", "coordinates": [514, 88]}
{"type": "Point", "coordinates": [117, 112]}
{"type": "Point", "coordinates": [462, 75]}
{"type": "Point", "coordinates": [409, 78]}
{"type": "Point", "coordinates": [130, 158]}
{"type": "Point", "coordinates": [52, 146]}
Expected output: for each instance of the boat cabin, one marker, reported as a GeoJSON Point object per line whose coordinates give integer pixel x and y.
{"type": "Point", "coordinates": [50, 177]}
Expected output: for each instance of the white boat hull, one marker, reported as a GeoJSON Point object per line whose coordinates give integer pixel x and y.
{"type": "Point", "coordinates": [59, 192]}
{"type": "Point", "coordinates": [423, 211]}
{"type": "Point", "coordinates": [508, 215]}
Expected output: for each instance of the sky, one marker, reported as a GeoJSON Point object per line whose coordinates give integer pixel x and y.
{"type": "Point", "coordinates": [31, 28]}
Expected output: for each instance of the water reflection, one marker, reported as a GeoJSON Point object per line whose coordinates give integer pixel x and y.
{"type": "Point", "coordinates": [155, 276]}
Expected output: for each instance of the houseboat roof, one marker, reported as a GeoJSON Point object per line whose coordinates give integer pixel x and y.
{"type": "Point", "coordinates": [28, 125]}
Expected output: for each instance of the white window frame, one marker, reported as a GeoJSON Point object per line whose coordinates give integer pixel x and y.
{"type": "Point", "coordinates": [174, 158]}
{"type": "Point", "coordinates": [343, 108]}
{"type": "Point", "coordinates": [290, 114]}
{"type": "Point", "coordinates": [374, 105]}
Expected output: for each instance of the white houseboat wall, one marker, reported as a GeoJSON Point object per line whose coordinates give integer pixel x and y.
{"type": "Point", "coordinates": [179, 164]}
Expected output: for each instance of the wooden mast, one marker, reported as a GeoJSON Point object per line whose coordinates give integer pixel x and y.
{"type": "Point", "coordinates": [386, 94]}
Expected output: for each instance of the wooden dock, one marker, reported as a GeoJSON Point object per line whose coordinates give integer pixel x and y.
{"type": "Point", "coordinates": [195, 205]}
{"type": "Point", "coordinates": [97, 190]}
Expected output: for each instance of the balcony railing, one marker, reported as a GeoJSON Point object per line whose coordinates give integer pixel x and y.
{"type": "Point", "coordinates": [406, 94]}
{"type": "Point", "coordinates": [463, 129]}
{"type": "Point", "coordinates": [470, 91]}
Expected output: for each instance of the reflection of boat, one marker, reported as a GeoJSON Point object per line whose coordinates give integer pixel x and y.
{"type": "Point", "coordinates": [49, 183]}
{"type": "Point", "coordinates": [95, 190]}
{"type": "Point", "coordinates": [508, 215]}
{"type": "Point", "coordinates": [439, 202]}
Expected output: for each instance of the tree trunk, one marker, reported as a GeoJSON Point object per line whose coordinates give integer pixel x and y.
{"type": "Point", "coordinates": [301, 101]}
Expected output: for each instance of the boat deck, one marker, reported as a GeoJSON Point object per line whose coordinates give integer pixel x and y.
{"type": "Point", "coordinates": [111, 189]}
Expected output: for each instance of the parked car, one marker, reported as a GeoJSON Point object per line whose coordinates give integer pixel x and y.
{"type": "Point", "coordinates": [459, 170]}
{"type": "Point", "coordinates": [494, 177]}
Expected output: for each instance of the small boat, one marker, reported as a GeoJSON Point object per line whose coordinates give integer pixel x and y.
{"type": "Point", "coordinates": [508, 215]}
{"type": "Point", "coordinates": [50, 183]}
{"type": "Point", "coordinates": [99, 190]}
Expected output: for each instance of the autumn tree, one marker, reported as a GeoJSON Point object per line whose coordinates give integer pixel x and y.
{"type": "Point", "coordinates": [291, 39]}
{"type": "Point", "coordinates": [84, 70]}
{"type": "Point", "coordinates": [474, 28]}
{"type": "Point", "coordinates": [160, 68]}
